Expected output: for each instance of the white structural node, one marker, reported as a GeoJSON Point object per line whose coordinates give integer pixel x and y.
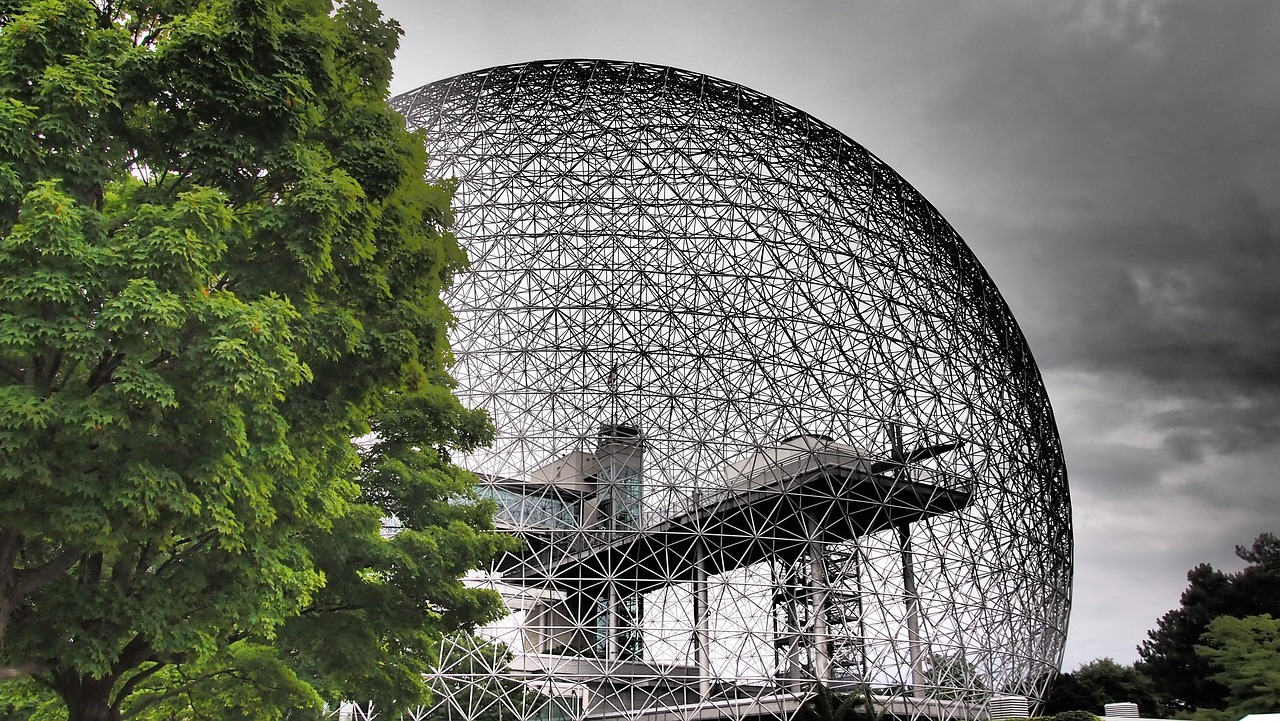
{"type": "Point", "coordinates": [766, 428]}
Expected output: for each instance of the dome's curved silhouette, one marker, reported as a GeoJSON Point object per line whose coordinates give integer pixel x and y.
{"type": "Point", "coordinates": [764, 420]}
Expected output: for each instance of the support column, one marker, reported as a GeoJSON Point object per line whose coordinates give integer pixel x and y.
{"type": "Point", "coordinates": [796, 642]}
{"type": "Point", "coordinates": [818, 605]}
{"type": "Point", "coordinates": [913, 608]}
{"type": "Point", "coordinates": [614, 631]}
{"type": "Point", "coordinates": [701, 621]}
{"type": "Point", "coordinates": [818, 610]}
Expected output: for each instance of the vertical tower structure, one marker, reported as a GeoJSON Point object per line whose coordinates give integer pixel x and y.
{"type": "Point", "coordinates": [764, 423]}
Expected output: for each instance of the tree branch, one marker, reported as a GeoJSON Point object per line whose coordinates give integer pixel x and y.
{"type": "Point", "coordinates": [107, 365]}
{"type": "Point", "coordinates": [27, 581]}
{"type": "Point", "coordinates": [135, 653]}
{"type": "Point", "coordinates": [150, 701]}
{"type": "Point", "coordinates": [196, 544]}
{"type": "Point", "coordinates": [161, 358]}
{"type": "Point", "coordinates": [24, 669]}
{"type": "Point", "coordinates": [127, 688]}
{"type": "Point", "coordinates": [317, 610]}
{"type": "Point", "coordinates": [51, 370]}
{"type": "Point", "coordinates": [67, 373]}
{"type": "Point", "coordinates": [14, 374]}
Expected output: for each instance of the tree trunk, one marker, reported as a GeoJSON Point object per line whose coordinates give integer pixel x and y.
{"type": "Point", "coordinates": [8, 552]}
{"type": "Point", "coordinates": [88, 698]}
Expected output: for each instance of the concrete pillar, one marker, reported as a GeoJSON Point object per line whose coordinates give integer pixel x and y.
{"type": "Point", "coordinates": [914, 648]}
{"type": "Point", "coordinates": [818, 605]}
{"type": "Point", "coordinates": [702, 621]}
{"type": "Point", "coordinates": [614, 645]}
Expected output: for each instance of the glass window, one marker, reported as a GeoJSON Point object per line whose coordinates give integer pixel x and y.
{"type": "Point", "coordinates": [540, 509]}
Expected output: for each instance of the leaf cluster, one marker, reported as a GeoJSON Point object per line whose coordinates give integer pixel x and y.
{"type": "Point", "coordinates": [219, 264]}
{"type": "Point", "coordinates": [1097, 683]}
{"type": "Point", "coordinates": [471, 685]}
{"type": "Point", "coordinates": [956, 677]}
{"type": "Point", "coordinates": [1245, 652]}
{"type": "Point", "coordinates": [1184, 678]}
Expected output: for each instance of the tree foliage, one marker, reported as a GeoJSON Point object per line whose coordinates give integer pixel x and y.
{"type": "Point", "coordinates": [219, 263]}
{"type": "Point", "coordinates": [1097, 683]}
{"type": "Point", "coordinates": [956, 677]}
{"type": "Point", "coordinates": [1245, 652]}
{"type": "Point", "coordinates": [246, 681]}
{"type": "Point", "coordinates": [1184, 679]}
{"type": "Point", "coordinates": [469, 688]}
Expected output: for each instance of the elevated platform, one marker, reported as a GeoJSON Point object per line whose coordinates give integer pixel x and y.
{"type": "Point", "coordinates": [772, 510]}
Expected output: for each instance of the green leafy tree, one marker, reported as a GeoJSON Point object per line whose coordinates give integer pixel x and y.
{"type": "Point", "coordinates": [1246, 654]}
{"type": "Point", "coordinates": [244, 682]}
{"type": "Point", "coordinates": [24, 699]}
{"type": "Point", "coordinates": [1065, 693]}
{"type": "Point", "coordinates": [1184, 680]}
{"type": "Point", "coordinates": [1097, 683]}
{"type": "Point", "coordinates": [219, 264]}
{"type": "Point", "coordinates": [956, 677]}
{"type": "Point", "coordinates": [473, 685]}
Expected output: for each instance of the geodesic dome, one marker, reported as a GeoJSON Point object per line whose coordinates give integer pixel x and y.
{"type": "Point", "coordinates": [764, 423]}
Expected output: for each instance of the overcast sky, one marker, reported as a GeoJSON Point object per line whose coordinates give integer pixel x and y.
{"type": "Point", "coordinates": [1115, 165]}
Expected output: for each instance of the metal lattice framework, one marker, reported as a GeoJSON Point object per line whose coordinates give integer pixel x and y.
{"type": "Point", "coordinates": [764, 421]}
